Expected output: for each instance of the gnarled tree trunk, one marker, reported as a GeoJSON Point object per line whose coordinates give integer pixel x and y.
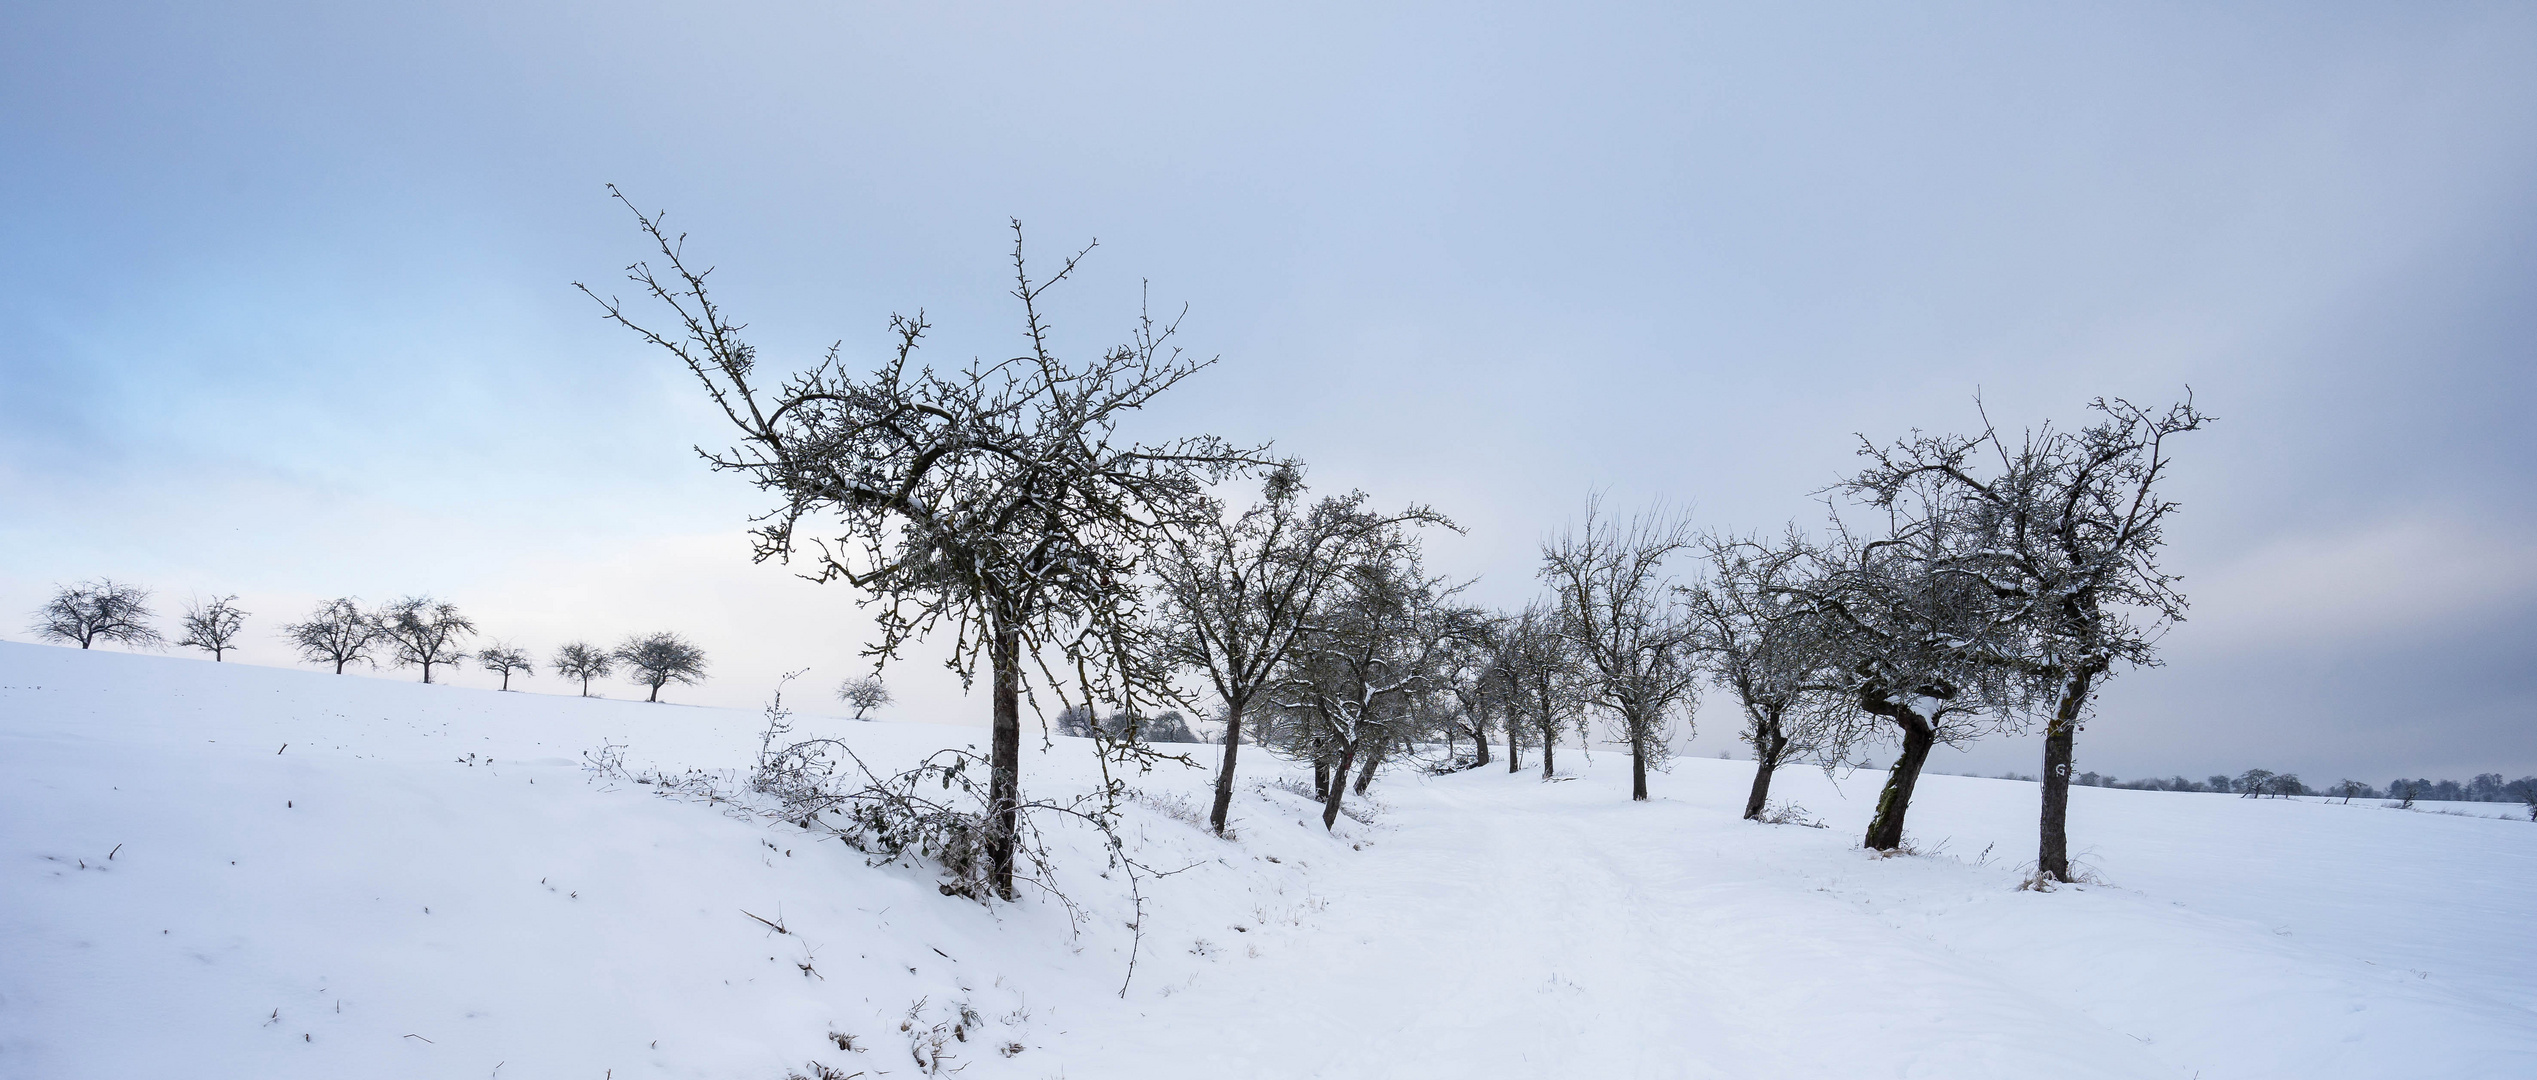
{"type": "Point", "coordinates": [1004, 762]}
{"type": "Point", "coordinates": [1885, 833]}
{"type": "Point", "coordinates": [2052, 854]}
{"type": "Point", "coordinates": [1224, 775]}
{"type": "Point", "coordinates": [1769, 745]}
{"type": "Point", "coordinates": [1638, 759]}
{"type": "Point", "coordinates": [1337, 788]}
{"type": "Point", "coordinates": [1365, 776]}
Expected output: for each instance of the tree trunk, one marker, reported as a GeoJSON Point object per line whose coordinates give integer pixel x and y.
{"type": "Point", "coordinates": [1638, 762]}
{"type": "Point", "coordinates": [339, 667]}
{"type": "Point", "coordinates": [656, 693]}
{"type": "Point", "coordinates": [1514, 764]}
{"type": "Point", "coordinates": [1480, 739]}
{"type": "Point", "coordinates": [2052, 856]}
{"type": "Point", "coordinates": [1338, 785]}
{"type": "Point", "coordinates": [1886, 832]}
{"type": "Point", "coordinates": [1224, 775]}
{"type": "Point", "coordinates": [1365, 776]}
{"type": "Point", "coordinates": [427, 671]}
{"type": "Point", "coordinates": [1004, 776]}
{"type": "Point", "coordinates": [1768, 745]}
{"type": "Point", "coordinates": [1321, 777]}
{"type": "Point", "coordinates": [1550, 741]}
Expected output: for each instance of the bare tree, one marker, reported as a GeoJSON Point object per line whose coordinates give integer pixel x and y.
{"type": "Point", "coordinates": [584, 661]}
{"type": "Point", "coordinates": [865, 694]}
{"type": "Point", "coordinates": [2071, 524]}
{"type": "Point", "coordinates": [657, 660]}
{"type": "Point", "coordinates": [1369, 651]}
{"type": "Point", "coordinates": [1236, 593]}
{"type": "Point", "coordinates": [337, 633]}
{"type": "Point", "coordinates": [1546, 682]}
{"type": "Point", "coordinates": [1759, 644]}
{"type": "Point", "coordinates": [100, 610]}
{"type": "Point", "coordinates": [425, 633]}
{"type": "Point", "coordinates": [502, 659]}
{"type": "Point", "coordinates": [996, 499]}
{"type": "Point", "coordinates": [213, 627]}
{"type": "Point", "coordinates": [1619, 607]}
{"type": "Point", "coordinates": [1918, 642]}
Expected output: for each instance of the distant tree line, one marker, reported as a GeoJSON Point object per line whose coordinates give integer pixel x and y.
{"type": "Point", "coordinates": [2483, 787]}
{"type": "Point", "coordinates": [413, 632]}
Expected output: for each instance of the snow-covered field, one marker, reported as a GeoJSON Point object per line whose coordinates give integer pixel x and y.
{"type": "Point", "coordinates": [221, 870]}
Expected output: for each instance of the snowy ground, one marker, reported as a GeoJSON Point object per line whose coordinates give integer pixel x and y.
{"type": "Point", "coordinates": [182, 893]}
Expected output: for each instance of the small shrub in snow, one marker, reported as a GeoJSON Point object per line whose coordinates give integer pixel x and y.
{"type": "Point", "coordinates": [1173, 805]}
{"type": "Point", "coordinates": [936, 811]}
{"type": "Point", "coordinates": [2042, 882]}
{"type": "Point", "coordinates": [1788, 813]}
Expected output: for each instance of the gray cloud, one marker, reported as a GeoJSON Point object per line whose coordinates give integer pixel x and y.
{"type": "Point", "coordinates": [288, 300]}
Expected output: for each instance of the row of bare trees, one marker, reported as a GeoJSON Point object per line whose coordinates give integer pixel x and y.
{"type": "Point", "coordinates": [421, 632]}
{"type": "Point", "coordinates": [1978, 582]}
{"type": "Point", "coordinates": [110, 610]}
{"type": "Point", "coordinates": [416, 631]}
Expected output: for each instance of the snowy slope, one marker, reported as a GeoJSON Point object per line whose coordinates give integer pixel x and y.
{"type": "Point", "coordinates": [182, 894]}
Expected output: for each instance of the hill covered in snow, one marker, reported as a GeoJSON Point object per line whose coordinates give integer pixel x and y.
{"type": "Point", "coordinates": [222, 870]}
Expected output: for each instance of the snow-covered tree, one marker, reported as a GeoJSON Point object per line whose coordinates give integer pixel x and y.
{"type": "Point", "coordinates": [657, 660]}
{"type": "Point", "coordinates": [996, 501]}
{"type": "Point", "coordinates": [1236, 592]}
{"type": "Point", "coordinates": [2254, 783]}
{"type": "Point", "coordinates": [424, 633]}
{"type": "Point", "coordinates": [1474, 700]}
{"type": "Point", "coordinates": [94, 611]}
{"type": "Point", "coordinates": [1619, 605]}
{"type": "Point", "coordinates": [1777, 661]}
{"type": "Point", "coordinates": [1546, 683]}
{"type": "Point", "coordinates": [213, 627]}
{"type": "Point", "coordinates": [864, 693]}
{"type": "Point", "coordinates": [2070, 524]}
{"type": "Point", "coordinates": [503, 660]}
{"type": "Point", "coordinates": [1917, 643]}
{"type": "Point", "coordinates": [1352, 684]}
{"type": "Point", "coordinates": [337, 633]}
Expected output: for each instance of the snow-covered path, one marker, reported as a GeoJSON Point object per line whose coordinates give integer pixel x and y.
{"type": "Point", "coordinates": [1498, 926]}
{"type": "Point", "coordinates": [1503, 927]}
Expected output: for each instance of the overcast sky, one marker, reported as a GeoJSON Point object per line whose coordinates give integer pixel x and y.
{"type": "Point", "coordinates": [288, 306]}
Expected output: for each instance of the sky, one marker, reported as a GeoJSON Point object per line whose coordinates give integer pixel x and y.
{"type": "Point", "coordinates": [289, 299]}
